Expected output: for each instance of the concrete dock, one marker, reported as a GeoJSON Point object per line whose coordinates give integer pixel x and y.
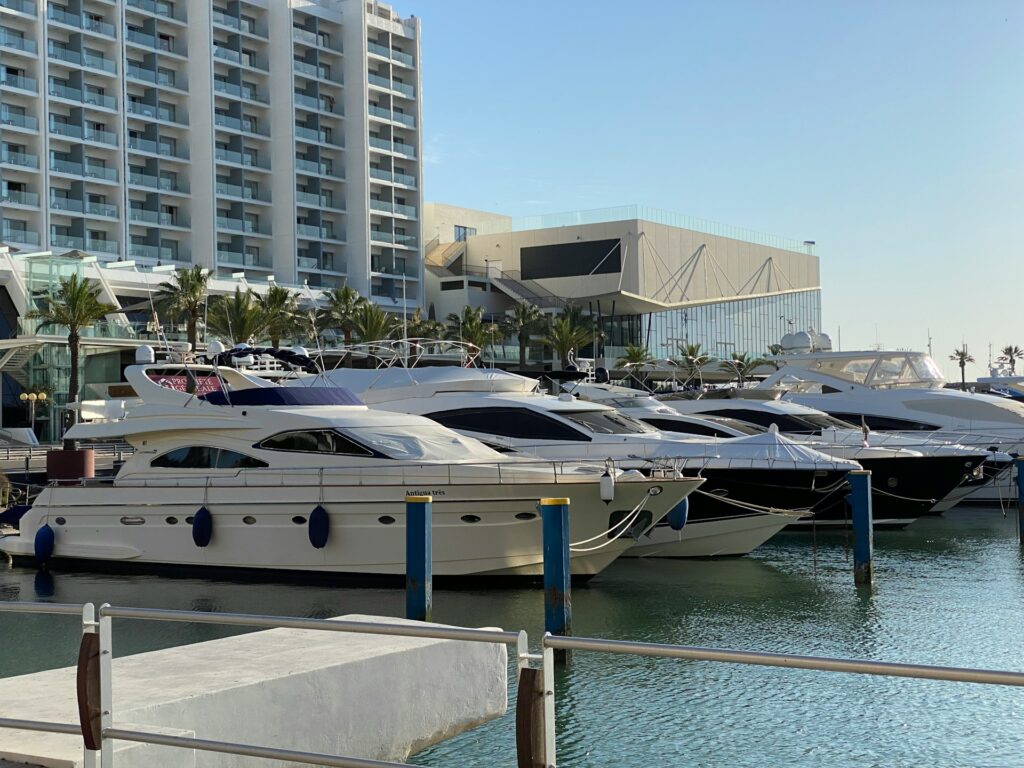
{"type": "Point", "coordinates": [360, 695]}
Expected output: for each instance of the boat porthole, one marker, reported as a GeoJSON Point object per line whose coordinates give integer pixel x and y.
{"type": "Point", "coordinates": [132, 520]}
{"type": "Point", "coordinates": [171, 520]}
{"type": "Point", "coordinates": [470, 519]}
{"type": "Point", "coordinates": [525, 516]}
{"type": "Point", "coordinates": [892, 482]}
{"type": "Point", "coordinates": [299, 520]}
{"type": "Point", "coordinates": [60, 521]}
{"type": "Point", "coordinates": [189, 520]}
{"type": "Point", "coordinates": [385, 520]}
{"type": "Point", "coordinates": [249, 520]}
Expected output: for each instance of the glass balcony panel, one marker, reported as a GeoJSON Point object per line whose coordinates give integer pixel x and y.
{"type": "Point", "coordinates": [21, 6]}
{"type": "Point", "coordinates": [19, 198]}
{"type": "Point", "coordinates": [65, 166]}
{"type": "Point", "coordinates": [21, 82]}
{"type": "Point", "coordinates": [100, 136]}
{"type": "Point", "coordinates": [67, 204]}
{"type": "Point", "coordinates": [67, 241]}
{"type": "Point", "coordinates": [10, 40]}
{"type": "Point", "coordinates": [99, 172]}
{"type": "Point", "coordinates": [101, 209]}
{"type": "Point", "coordinates": [140, 73]}
{"type": "Point", "coordinates": [16, 235]}
{"type": "Point", "coordinates": [227, 54]}
{"type": "Point", "coordinates": [224, 20]}
{"type": "Point", "coordinates": [19, 121]}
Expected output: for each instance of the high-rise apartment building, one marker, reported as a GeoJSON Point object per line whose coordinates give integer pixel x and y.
{"type": "Point", "coordinates": [254, 137]}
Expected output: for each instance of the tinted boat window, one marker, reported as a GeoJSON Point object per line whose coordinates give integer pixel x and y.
{"type": "Point", "coordinates": [884, 422]}
{"type": "Point", "coordinates": [315, 441]}
{"type": "Point", "coordinates": [204, 457]}
{"type": "Point", "coordinates": [687, 428]}
{"type": "Point", "coordinates": [605, 422]}
{"type": "Point", "coordinates": [518, 423]}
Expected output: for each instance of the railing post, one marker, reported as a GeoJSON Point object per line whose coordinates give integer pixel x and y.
{"type": "Point", "coordinates": [863, 534]}
{"type": "Point", "coordinates": [89, 626]}
{"type": "Point", "coordinates": [106, 689]}
{"type": "Point", "coordinates": [549, 704]}
{"type": "Point", "coordinates": [419, 571]}
{"type": "Point", "coordinates": [557, 592]}
{"type": "Point", "coordinates": [1018, 466]}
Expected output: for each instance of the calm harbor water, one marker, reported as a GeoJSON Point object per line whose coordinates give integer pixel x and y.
{"type": "Point", "coordinates": [948, 591]}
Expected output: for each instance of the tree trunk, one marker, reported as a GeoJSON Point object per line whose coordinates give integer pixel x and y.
{"type": "Point", "coordinates": [963, 377]}
{"type": "Point", "coordinates": [73, 347]}
{"type": "Point", "coordinates": [523, 341]}
{"type": "Point", "coordinates": [275, 342]}
{"type": "Point", "coordinates": [192, 331]}
{"type": "Point", "coordinates": [348, 343]}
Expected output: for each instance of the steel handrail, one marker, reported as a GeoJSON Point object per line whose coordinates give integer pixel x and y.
{"type": "Point", "coordinates": [71, 729]}
{"type": "Point", "coordinates": [791, 661]}
{"type": "Point", "coordinates": [59, 608]}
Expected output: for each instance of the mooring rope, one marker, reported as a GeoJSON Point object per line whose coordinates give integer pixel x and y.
{"type": "Point", "coordinates": [618, 529]}
{"type": "Point", "coordinates": [876, 489]}
{"type": "Point", "coordinates": [748, 505]}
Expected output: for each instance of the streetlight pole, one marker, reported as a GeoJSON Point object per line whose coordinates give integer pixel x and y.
{"type": "Point", "coordinates": [32, 398]}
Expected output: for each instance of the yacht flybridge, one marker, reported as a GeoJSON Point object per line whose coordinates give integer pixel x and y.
{"type": "Point", "coordinates": [730, 515]}
{"type": "Point", "coordinates": [250, 475]}
{"type": "Point", "coordinates": [902, 392]}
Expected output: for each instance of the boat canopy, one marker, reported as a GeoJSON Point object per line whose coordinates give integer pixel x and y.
{"type": "Point", "coordinates": [281, 396]}
{"type": "Point", "coordinates": [879, 370]}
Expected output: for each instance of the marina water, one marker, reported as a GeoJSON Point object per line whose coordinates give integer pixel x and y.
{"type": "Point", "coordinates": [948, 591]}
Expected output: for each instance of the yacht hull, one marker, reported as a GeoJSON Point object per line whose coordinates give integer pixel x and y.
{"type": "Point", "coordinates": [478, 529]}
{"type": "Point", "coordinates": [723, 537]}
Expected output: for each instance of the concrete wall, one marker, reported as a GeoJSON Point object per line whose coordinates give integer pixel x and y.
{"type": "Point", "coordinates": [370, 696]}
{"type": "Point", "coordinates": [439, 221]}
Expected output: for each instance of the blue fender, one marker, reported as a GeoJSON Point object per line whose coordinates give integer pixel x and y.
{"type": "Point", "coordinates": [202, 527]}
{"type": "Point", "coordinates": [319, 527]}
{"type": "Point", "coordinates": [44, 543]}
{"type": "Point", "coordinates": [678, 515]}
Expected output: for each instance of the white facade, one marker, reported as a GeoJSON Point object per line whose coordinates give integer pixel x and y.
{"type": "Point", "coordinates": [259, 137]}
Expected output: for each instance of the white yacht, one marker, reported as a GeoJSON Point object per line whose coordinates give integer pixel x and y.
{"type": "Point", "coordinates": [251, 475]}
{"type": "Point", "coordinates": [903, 392]}
{"type": "Point", "coordinates": [911, 477]}
{"type": "Point", "coordinates": [755, 485]}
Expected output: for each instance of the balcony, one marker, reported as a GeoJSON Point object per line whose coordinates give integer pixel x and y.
{"type": "Point", "coordinates": [241, 259]}
{"type": "Point", "coordinates": [226, 54]}
{"type": "Point", "coordinates": [20, 82]}
{"type": "Point", "coordinates": [82, 97]}
{"type": "Point", "coordinates": [9, 40]}
{"type": "Point", "coordinates": [154, 252]}
{"type": "Point", "coordinates": [240, 158]}
{"type": "Point", "coordinates": [239, 91]}
{"type": "Point", "coordinates": [147, 216]}
{"type": "Point", "coordinates": [53, 13]}
{"type": "Point", "coordinates": [15, 197]}
{"type": "Point", "coordinates": [74, 205]}
{"type": "Point", "coordinates": [231, 224]}
{"type": "Point", "coordinates": [150, 6]}
{"type": "Point", "coordinates": [240, 191]}
{"type": "Point", "coordinates": [156, 148]}
{"type": "Point", "coordinates": [389, 53]}
{"type": "Point", "coordinates": [87, 133]}
{"type": "Point", "coordinates": [395, 208]}
{"type": "Point", "coordinates": [155, 43]}
{"type": "Point", "coordinates": [154, 182]}
{"type": "Point", "coordinates": [237, 124]}
{"type": "Point", "coordinates": [19, 6]}
{"type": "Point", "coordinates": [391, 85]}
{"type": "Point", "coordinates": [379, 236]}
{"type": "Point", "coordinates": [11, 235]}
{"type": "Point", "coordinates": [387, 114]}
{"type": "Point", "coordinates": [393, 177]}
{"type": "Point", "coordinates": [16, 120]}
{"type": "Point", "coordinates": [81, 59]}
{"type": "Point", "coordinates": [20, 159]}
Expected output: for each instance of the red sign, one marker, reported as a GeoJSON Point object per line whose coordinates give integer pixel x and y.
{"type": "Point", "coordinates": [206, 384]}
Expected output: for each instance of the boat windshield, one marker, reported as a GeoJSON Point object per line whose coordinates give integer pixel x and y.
{"type": "Point", "coordinates": [606, 422]}
{"type": "Point", "coordinates": [414, 443]}
{"type": "Point", "coordinates": [880, 371]}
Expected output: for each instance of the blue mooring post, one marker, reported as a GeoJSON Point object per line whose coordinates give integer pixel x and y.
{"type": "Point", "coordinates": [1019, 468]}
{"type": "Point", "coordinates": [419, 569]}
{"type": "Point", "coordinates": [863, 535]}
{"type": "Point", "coordinates": [557, 594]}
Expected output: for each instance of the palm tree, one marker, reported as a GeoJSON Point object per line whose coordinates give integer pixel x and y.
{"type": "Point", "coordinates": [238, 317]}
{"type": "Point", "coordinates": [343, 305]}
{"type": "Point", "coordinates": [744, 364]}
{"type": "Point", "coordinates": [774, 349]}
{"type": "Point", "coordinates": [524, 320]}
{"type": "Point", "coordinates": [75, 306]}
{"type": "Point", "coordinates": [185, 298]}
{"type": "Point", "coordinates": [564, 335]}
{"type": "Point", "coordinates": [280, 308]}
{"type": "Point", "coordinates": [471, 328]}
{"type": "Point", "coordinates": [1011, 355]}
{"type": "Point", "coordinates": [962, 357]}
{"type": "Point", "coordinates": [424, 328]}
{"type": "Point", "coordinates": [636, 354]}
{"type": "Point", "coordinates": [692, 359]}
{"type": "Point", "coordinates": [371, 323]}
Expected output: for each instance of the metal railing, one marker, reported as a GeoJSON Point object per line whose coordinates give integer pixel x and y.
{"type": "Point", "coordinates": [98, 742]}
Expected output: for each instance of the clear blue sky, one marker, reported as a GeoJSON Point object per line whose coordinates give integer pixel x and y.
{"type": "Point", "coordinates": [892, 133]}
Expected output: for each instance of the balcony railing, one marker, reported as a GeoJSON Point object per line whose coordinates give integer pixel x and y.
{"type": "Point", "coordinates": [150, 6]}
{"type": "Point", "coordinates": [396, 208]}
{"type": "Point", "coordinates": [239, 191]}
{"type": "Point", "coordinates": [242, 259]}
{"type": "Point", "coordinates": [19, 121]}
{"type": "Point", "coordinates": [393, 85]}
{"type": "Point", "coordinates": [9, 40]}
{"type": "Point", "coordinates": [154, 182]}
{"type": "Point", "coordinates": [80, 21]}
{"type": "Point", "coordinates": [144, 251]}
{"type": "Point", "coordinates": [21, 6]}
{"type": "Point", "coordinates": [237, 124]}
{"type": "Point", "coordinates": [226, 54]}
{"type": "Point", "coordinates": [22, 236]}
{"type": "Point", "coordinates": [394, 177]}
{"type": "Point", "coordinates": [20, 82]}
{"type": "Point", "coordinates": [148, 216]}
{"type": "Point", "coordinates": [88, 133]}
{"type": "Point", "coordinates": [390, 53]}
{"type": "Point", "coordinates": [21, 159]}
{"type": "Point", "coordinates": [83, 97]}
{"type": "Point", "coordinates": [150, 41]}
{"type": "Point", "coordinates": [240, 158]}
{"type": "Point", "coordinates": [241, 225]}
{"type": "Point", "coordinates": [17, 197]}
{"type": "Point", "coordinates": [156, 148]}
{"type": "Point", "coordinates": [387, 114]}
{"type": "Point", "coordinates": [239, 91]}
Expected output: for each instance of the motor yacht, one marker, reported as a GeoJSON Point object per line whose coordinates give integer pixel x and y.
{"type": "Point", "coordinates": [903, 392]}
{"type": "Point", "coordinates": [911, 477]}
{"type": "Point", "coordinates": [755, 485]}
{"type": "Point", "coordinates": [244, 474]}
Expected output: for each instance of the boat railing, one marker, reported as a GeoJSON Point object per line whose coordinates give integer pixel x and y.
{"type": "Point", "coordinates": [536, 704]}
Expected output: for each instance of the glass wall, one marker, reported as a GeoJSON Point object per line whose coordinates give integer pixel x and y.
{"type": "Point", "coordinates": [746, 325]}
